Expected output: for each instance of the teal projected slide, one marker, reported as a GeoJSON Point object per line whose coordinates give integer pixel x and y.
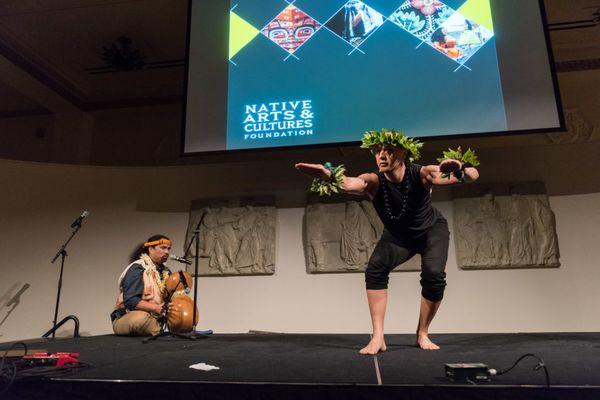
{"type": "Point", "coordinates": [309, 72]}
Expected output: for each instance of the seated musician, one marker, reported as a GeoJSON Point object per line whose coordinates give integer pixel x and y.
{"type": "Point", "coordinates": [141, 286]}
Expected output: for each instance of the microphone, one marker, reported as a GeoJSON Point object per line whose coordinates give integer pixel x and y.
{"type": "Point", "coordinates": [77, 222]}
{"type": "Point", "coordinates": [179, 259]}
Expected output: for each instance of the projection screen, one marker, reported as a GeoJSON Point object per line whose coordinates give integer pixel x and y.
{"type": "Point", "coordinates": [274, 73]}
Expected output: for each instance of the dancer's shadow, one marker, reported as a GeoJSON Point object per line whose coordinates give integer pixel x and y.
{"type": "Point", "coordinates": [11, 299]}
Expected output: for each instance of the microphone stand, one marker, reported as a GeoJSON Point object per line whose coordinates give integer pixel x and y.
{"type": "Point", "coordinates": [62, 252]}
{"type": "Point", "coordinates": [196, 240]}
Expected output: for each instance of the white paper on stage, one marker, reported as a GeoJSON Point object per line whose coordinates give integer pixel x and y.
{"type": "Point", "coordinates": [203, 367]}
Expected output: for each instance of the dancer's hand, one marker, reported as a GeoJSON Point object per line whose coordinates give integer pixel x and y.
{"type": "Point", "coordinates": [314, 170]}
{"type": "Point", "coordinates": [450, 166]}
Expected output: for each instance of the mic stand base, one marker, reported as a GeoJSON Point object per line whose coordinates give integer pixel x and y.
{"type": "Point", "coordinates": [169, 334]}
{"type": "Point", "coordinates": [61, 323]}
{"type": "Point", "coordinates": [164, 333]}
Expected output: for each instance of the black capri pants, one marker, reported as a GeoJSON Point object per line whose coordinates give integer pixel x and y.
{"type": "Point", "coordinates": [392, 251]}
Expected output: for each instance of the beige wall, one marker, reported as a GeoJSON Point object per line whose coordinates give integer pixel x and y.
{"type": "Point", "coordinates": [39, 202]}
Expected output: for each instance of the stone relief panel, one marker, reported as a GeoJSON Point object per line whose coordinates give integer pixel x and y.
{"type": "Point", "coordinates": [516, 231]}
{"type": "Point", "coordinates": [578, 129]}
{"type": "Point", "coordinates": [234, 240]}
{"type": "Point", "coordinates": [340, 237]}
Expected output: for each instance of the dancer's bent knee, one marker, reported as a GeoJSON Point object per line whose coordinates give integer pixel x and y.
{"type": "Point", "coordinates": [376, 277]}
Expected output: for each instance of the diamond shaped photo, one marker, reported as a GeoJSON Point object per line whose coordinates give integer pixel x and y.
{"type": "Point", "coordinates": [291, 28]}
{"type": "Point", "coordinates": [421, 18]}
{"type": "Point", "coordinates": [354, 22]}
{"type": "Point", "coordinates": [459, 38]}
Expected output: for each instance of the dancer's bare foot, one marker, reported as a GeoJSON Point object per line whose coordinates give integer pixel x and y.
{"type": "Point", "coordinates": [376, 345]}
{"type": "Point", "coordinates": [425, 343]}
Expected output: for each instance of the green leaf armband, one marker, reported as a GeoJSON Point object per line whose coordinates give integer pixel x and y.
{"type": "Point", "coordinates": [467, 159]}
{"type": "Point", "coordinates": [331, 185]}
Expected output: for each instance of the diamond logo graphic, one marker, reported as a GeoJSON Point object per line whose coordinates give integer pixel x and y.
{"type": "Point", "coordinates": [291, 28]}
{"type": "Point", "coordinates": [446, 30]}
{"type": "Point", "coordinates": [354, 22]}
{"type": "Point", "coordinates": [421, 18]}
{"type": "Point", "coordinates": [459, 38]}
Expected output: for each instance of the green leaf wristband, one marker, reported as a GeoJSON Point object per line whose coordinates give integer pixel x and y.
{"type": "Point", "coordinates": [331, 185]}
{"type": "Point", "coordinates": [467, 159]}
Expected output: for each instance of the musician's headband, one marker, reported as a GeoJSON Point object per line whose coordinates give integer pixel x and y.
{"type": "Point", "coordinates": [157, 242]}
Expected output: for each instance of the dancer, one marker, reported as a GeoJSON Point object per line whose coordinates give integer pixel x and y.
{"type": "Point", "coordinates": [401, 195]}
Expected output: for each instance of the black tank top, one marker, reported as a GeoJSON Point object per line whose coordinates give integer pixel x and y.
{"type": "Point", "coordinates": [405, 208]}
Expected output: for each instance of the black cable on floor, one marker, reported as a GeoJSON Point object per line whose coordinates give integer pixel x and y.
{"type": "Point", "coordinates": [10, 377]}
{"type": "Point", "coordinates": [20, 369]}
{"type": "Point", "coordinates": [52, 372]}
{"type": "Point", "coordinates": [539, 365]}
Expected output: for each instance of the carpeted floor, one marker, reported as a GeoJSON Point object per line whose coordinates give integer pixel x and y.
{"type": "Point", "coordinates": [572, 359]}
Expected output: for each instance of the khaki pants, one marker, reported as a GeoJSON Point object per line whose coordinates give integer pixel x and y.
{"type": "Point", "coordinates": [136, 323]}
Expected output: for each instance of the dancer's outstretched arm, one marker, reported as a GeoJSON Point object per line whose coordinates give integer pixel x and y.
{"type": "Point", "coordinates": [364, 184]}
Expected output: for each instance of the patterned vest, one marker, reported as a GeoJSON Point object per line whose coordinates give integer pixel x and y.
{"type": "Point", "coordinates": [153, 290]}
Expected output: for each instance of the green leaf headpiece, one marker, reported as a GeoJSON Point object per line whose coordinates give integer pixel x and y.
{"type": "Point", "coordinates": [372, 140]}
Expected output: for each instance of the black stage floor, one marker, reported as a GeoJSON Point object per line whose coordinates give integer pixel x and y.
{"type": "Point", "coordinates": [319, 366]}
